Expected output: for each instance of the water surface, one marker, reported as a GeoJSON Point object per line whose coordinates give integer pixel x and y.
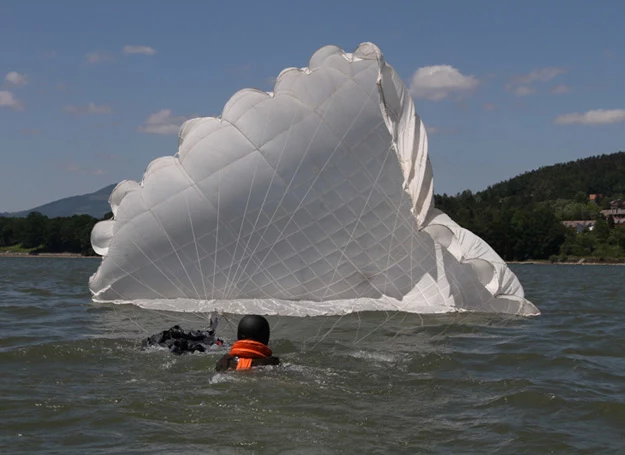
{"type": "Point", "coordinates": [75, 380]}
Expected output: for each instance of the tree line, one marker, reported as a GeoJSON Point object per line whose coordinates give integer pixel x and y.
{"type": "Point", "coordinates": [38, 233]}
{"type": "Point", "coordinates": [535, 231]}
{"type": "Point", "coordinates": [520, 218]}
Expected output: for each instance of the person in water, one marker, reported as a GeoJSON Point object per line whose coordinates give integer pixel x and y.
{"type": "Point", "coordinates": [250, 349]}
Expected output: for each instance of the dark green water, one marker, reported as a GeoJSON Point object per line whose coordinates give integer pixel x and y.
{"type": "Point", "coordinates": [75, 381]}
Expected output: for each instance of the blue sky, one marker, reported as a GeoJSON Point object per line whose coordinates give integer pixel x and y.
{"type": "Point", "coordinates": [91, 92]}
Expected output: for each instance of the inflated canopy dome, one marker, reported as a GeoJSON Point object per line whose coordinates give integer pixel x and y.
{"type": "Point", "coordinates": [314, 199]}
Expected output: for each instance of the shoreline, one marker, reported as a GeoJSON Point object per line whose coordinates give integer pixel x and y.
{"type": "Point", "coordinates": [581, 261]}
{"type": "Point", "coordinates": [4, 254]}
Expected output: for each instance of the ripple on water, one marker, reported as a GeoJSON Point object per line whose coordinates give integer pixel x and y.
{"type": "Point", "coordinates": [75, 379]}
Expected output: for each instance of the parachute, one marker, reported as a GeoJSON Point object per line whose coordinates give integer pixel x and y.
{"type": "Point", "coordinates": [314, 199]}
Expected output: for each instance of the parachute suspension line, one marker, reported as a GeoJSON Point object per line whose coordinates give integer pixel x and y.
{"type": "Point", "coordinates": [176, 253]}
{"type": "Point", "coordinates": [155, 216]}
{"type": "Point", "coordinates": [153, 264]}
{"type": "Point", "coordinates": [164, 314]}
{"type": "Point", "coordinates": [402, 322]}
{"type": "Point", "coordinates": [314, 337]}
{"type": "Point", "coordinates": [328, 332]}
{"type": "Point", "coordinates": [216, 235]}
{"type": "Point", "coordinates": [351, 235]}
{"type": "Point", "coordinates": [149, 259]}
{"type": "Point", "coordinates": [279, 237]}
{"type": "Point", "coordinates": [387, 281]}
{"type": "Point", "coordinates": [197, 251]}
{"type": "Point", "coordinates": [229, 323]}
{"type": "Point", "coordinates": [260, 210]}
{"type": "Point", "coordinates": [357, 327]}
{"type": "Point", "coordinates": [132, 321]}
{"type": "Point", "coordinates": [386, 320]}
{"type": "Point", "coordinates": [201, 194]}
{"type": "Point", "coordinates": [413, 225]}
{"type": "Point", "coordinates": [229, 286]}
{"type": "Point", "coordinates": [286, 191]}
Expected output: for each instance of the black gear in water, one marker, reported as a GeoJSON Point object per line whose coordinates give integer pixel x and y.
{"type": "Point", "coordinates": [180, 341]}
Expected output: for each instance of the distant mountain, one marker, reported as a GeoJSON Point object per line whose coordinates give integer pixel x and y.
{"type": "Point", "coordinates": [94, 204]}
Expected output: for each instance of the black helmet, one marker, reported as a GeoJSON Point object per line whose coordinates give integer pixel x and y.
{"type": "Point", "coordinates": [253, 327]}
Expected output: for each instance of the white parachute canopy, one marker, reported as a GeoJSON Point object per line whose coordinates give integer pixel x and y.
{"type": "Point", "coordinates": [314, 199]}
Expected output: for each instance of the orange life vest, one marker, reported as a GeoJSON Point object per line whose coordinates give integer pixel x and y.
{"type": "Point", "coordinates": [247, 350]}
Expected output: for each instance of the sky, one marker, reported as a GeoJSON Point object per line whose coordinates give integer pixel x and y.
{"type": "Point", "coordinates": [91, 92]}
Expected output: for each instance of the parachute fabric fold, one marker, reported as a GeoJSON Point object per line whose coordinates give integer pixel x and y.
{"type": "Point", "coordinates": [314, 199]}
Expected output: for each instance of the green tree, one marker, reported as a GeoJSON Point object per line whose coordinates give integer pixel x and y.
{"type": "Point", "coordinates": [34, 230]}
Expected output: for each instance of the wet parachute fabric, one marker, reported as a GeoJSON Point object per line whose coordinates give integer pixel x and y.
{"type": "Point", "coordinates": [314, 199]}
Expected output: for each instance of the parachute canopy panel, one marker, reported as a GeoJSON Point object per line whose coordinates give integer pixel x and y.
{"type": "Point", "coordinates": [314, 199]}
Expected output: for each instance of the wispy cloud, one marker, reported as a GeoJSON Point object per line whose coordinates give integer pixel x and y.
{"type": "Point", "coordinates": [522, 90]}
{"type": "Point", "coordinates": [521, 85]}
{"type": "Point", "coordinates": [15, 79]}
{"type": "Point", "coordinates": [270, 82]}
{"type": "Point", "coordinates": [594, 117]}
{"type": "Point", "coordinates": [489, 107]}
{"type": "Point", "coordinates": [145, 50]}
{"type": "Point", "coordinates": [30, 131]}
{"type": "Point", "coordinates": [98, 57]}
{"type": "Point", "coordinates": [111, 157]}
{"type": "Point", "coordinates": [91, 108]}
{"type": "Point", "coordinates": [162, 122]}
{"type": "Point", "coordinates": [75, 168]}
{"type": "Point", "coordinates": [539, 75]}
{"type": "Point", "coordinates": [440, 130]}
{"type": "Point", "coordinates": [7, 99]}
{"type": "Point", "coordinates": [560, 89]}
{"type": "Point", "coordinates": [438, 82]}
{"type": "Point", "coordinates": [240, 69]}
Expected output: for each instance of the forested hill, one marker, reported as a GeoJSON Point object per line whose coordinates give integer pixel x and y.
{"type": "Point", "coordinates": [574, 180]}
{"type": "Point", "coordinates": [521, 218]}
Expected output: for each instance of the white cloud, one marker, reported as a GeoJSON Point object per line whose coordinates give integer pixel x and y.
{"type": "Point", "coordinates": [594, 117]}
{"type": "Point", "coordinates": [91, 108]}
{"type": "Point", "coordinates": [522, 90]}
{"type": "Point", "coordinates": [16, 79]}
{"type": "Point", "coordinates": [560, 89]}
{"type": "Point", "coordinates": [520, 85]}
{"type": "Point", "coordinates": [145, 50]}
{"type": "Point", "coordinates": [440, 81]}
{"type": "Point", "coordinates": [430, 129]}
{"type": "Point", "coordinates": [97, 57]}
{"type": "Point", "coordinates": [7, 99]}
{"type": "Point", "coordinates": [162, 122]}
